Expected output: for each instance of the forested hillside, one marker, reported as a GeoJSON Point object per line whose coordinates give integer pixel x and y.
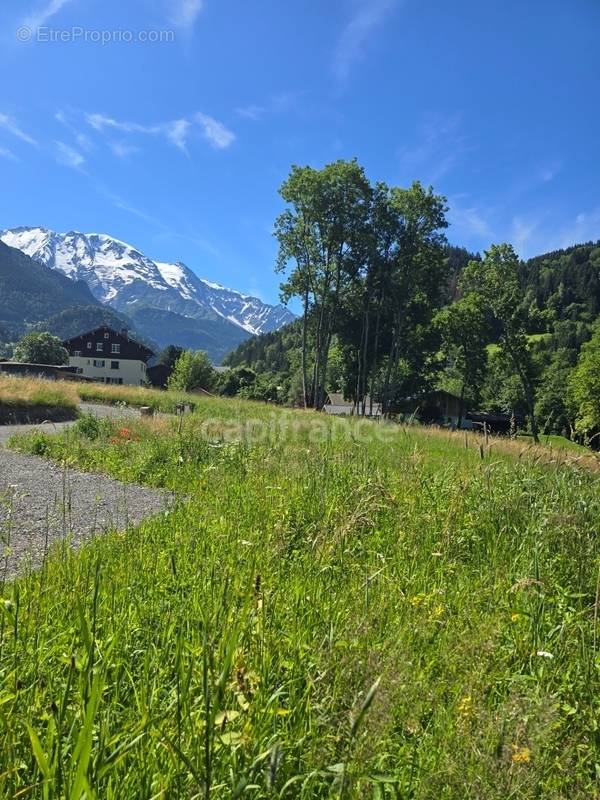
{"type": "Point", "coordinates": [74, 321]}
{"type": "Point", "coordinates": [211, 333]}
{"type": "Point", "coordinates": [565, 284]}
{"type": "Point", "coordinates": [30, 292]}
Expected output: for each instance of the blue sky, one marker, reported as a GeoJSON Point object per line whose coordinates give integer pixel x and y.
{"type": "Point", "coordinates": [179, 146]}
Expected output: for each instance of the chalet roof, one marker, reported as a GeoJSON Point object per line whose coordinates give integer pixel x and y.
{"type": "Point", "coordinates": [102, 329]}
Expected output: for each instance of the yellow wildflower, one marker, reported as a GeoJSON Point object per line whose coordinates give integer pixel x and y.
{"type": "Point", "coordinates": [521, 755]}
{"type": "Point", "coordinates": [417, 599]}
{"type": "Point", "coordinates": [515, 617]}
{"type": "Point", "coordinates": [465, 706]}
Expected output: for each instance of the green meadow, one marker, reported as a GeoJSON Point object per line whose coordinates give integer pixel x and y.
{"type": "Point", "coordinates": [329, 609]}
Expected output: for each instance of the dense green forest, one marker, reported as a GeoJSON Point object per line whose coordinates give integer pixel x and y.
{"type": "Point", "coordinates": [390, 309]}
{"type": "Point", "coordinates": [30, 292]}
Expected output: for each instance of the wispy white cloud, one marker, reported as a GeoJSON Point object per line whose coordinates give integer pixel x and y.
{"type": "Point", "coordinates": [83, 142]}
{"type": "Point", "coordinates": [215, 132]}
{"type": "Point", "coordinates": [367, 18]}
{"type": "Point", "coordinates": [10, 125]}
{"type": "Point", "coordinates": [68, 156]}
{"type": "Point", "coordinates": [275, 104]}
{"type": "Point", "coordinates": [122, 149]}
{"type": "Point", "coordinates": [184, 13]}
{"type": "Point", "coordinates": [161, 232]}
{"type": "Point", "coordinates": [6, 153]}
{"type": "Point", "coordinates": [177, 133]}
{"type": "Point", "coordinates": [522, 234]}
{"type": "Point", "coordinates": [252, 112]}
{"type": "Point", "coordinates": [37, 18]}
{"type": "Point", "coordinates": [470, 220]}
{"type": "Point", "coordinates": [101, 123]}
{"type": "Point", "coordinates": [541, 231]}
{"type": "Point", "coordinates": [440, 147]}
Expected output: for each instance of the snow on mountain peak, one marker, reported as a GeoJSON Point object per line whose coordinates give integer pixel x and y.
{"type": "Point", "coordinates": [122, 276]}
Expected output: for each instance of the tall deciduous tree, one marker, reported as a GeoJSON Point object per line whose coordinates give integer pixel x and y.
{"type": "Point", "coordinates": [495, 281]}
{"type": "Point", "coordinates": [322, 234]}
{"type": "Point", "coordinates": [41, 348]}
{"type": "Point", "coordinates": [415, 281]}
{"type": "Point", "coordinates": [192, 370]}
{"type": "Point", "coordinates": [464, 329]}
{"type": "Point", "coordinates": [584, 388]}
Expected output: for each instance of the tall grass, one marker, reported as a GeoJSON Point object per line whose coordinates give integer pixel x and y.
{"type": "Point", "coordinates": [18, 391]}
{"type": "Point", "coordinates": [25, 392]}
{"type": "Point", "coordinates": [134, 396]}
{"type": "Point", "coordinates": [331, 610]}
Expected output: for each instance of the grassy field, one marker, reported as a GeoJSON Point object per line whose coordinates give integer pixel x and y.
{"type": "Point", "coordinates": [25, 392]}
{"type": "Point", "coordinates": [332, 609]}
{"type": "Point", "coordinates": [134, 396]}
{"type": "Point", "coordinates": [555, 442]}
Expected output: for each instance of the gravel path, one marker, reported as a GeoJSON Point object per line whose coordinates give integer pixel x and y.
{"type": "Point", "coordinates": [115, 412]}
{"type": "Point", "coordinates": [41, 502]}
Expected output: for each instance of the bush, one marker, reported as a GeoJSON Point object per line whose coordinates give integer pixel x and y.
{"type": "Point", "coordinates": [88, 426]}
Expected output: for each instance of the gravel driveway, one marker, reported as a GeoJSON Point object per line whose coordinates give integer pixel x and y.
{"type": "Point", "coordinates": [41, 502]}
{"type": "Point", "coordinates": [115, 412]}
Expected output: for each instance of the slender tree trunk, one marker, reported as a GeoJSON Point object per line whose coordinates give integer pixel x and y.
{"type": "Point", "coordinates": [304, 345]}
{"type": "Point", "coordinates": [532, 416]}
{"type": "Point", "coordinates": [460, 408]}
{"type": "Point", "coordinates": [392, 360]}
{"type": "Point", "coordinates": [375, 351]}
{"type": "Point", "coordinates": [528, 391]}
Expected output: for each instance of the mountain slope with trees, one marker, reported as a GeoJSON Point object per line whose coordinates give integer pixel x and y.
{"type": "Point", "coordinates": [30, 292]}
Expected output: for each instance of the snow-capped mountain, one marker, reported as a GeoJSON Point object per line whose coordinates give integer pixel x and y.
{"type": "Point", "coordinates": [126, 279]}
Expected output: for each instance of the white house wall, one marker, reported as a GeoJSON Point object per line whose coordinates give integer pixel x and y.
{"type": "Point", "coordinates": [130, 371]}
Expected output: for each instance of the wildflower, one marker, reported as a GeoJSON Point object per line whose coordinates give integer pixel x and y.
{"type": "Point", "coordinates": [544, 654]}
{"type": "Point", "coordinates": [417, 599]}
{"type": "Point", "coordinates": [465, 706]}
{"type": "Point", "coordinates": [438, 611]}
{"type": "Point", "coordinates": [520, 755]}
{"type": "Point", "coordinates": [514, 617]}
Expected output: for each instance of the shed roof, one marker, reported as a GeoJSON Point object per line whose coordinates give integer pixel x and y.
{"type": "Point", "coordinates": [337, 399]}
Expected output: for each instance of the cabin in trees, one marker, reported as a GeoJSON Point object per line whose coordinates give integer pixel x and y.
{"type": "Point", "coordinates": [336, 405]}
{"type": "Point", "coordinates": [444, 408]}
{"type": "Point", "coordinates": [108, 356]}
{"type": "Point", "coordinates": [439, 407]}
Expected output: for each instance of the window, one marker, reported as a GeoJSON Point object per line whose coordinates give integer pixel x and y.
{"type": "Point", "coordinates": [106, 335]}
{"type": "Point", "coordinates": [89, 345]}
{"type": "Point", "coordinates": [77, 353]}
{"type": "Point", "coordinates": [99, 347]}
{"type": "Point", "coordinates": [98, 363]}
{"type": "Point", "coordinates": [115, 348]}
{"type": "Point", "coordinates": [114, 365]}
{"type": "Point", "coordinates": [80, 370]}
{"type": "Point", "coordinates": [115, 380]}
